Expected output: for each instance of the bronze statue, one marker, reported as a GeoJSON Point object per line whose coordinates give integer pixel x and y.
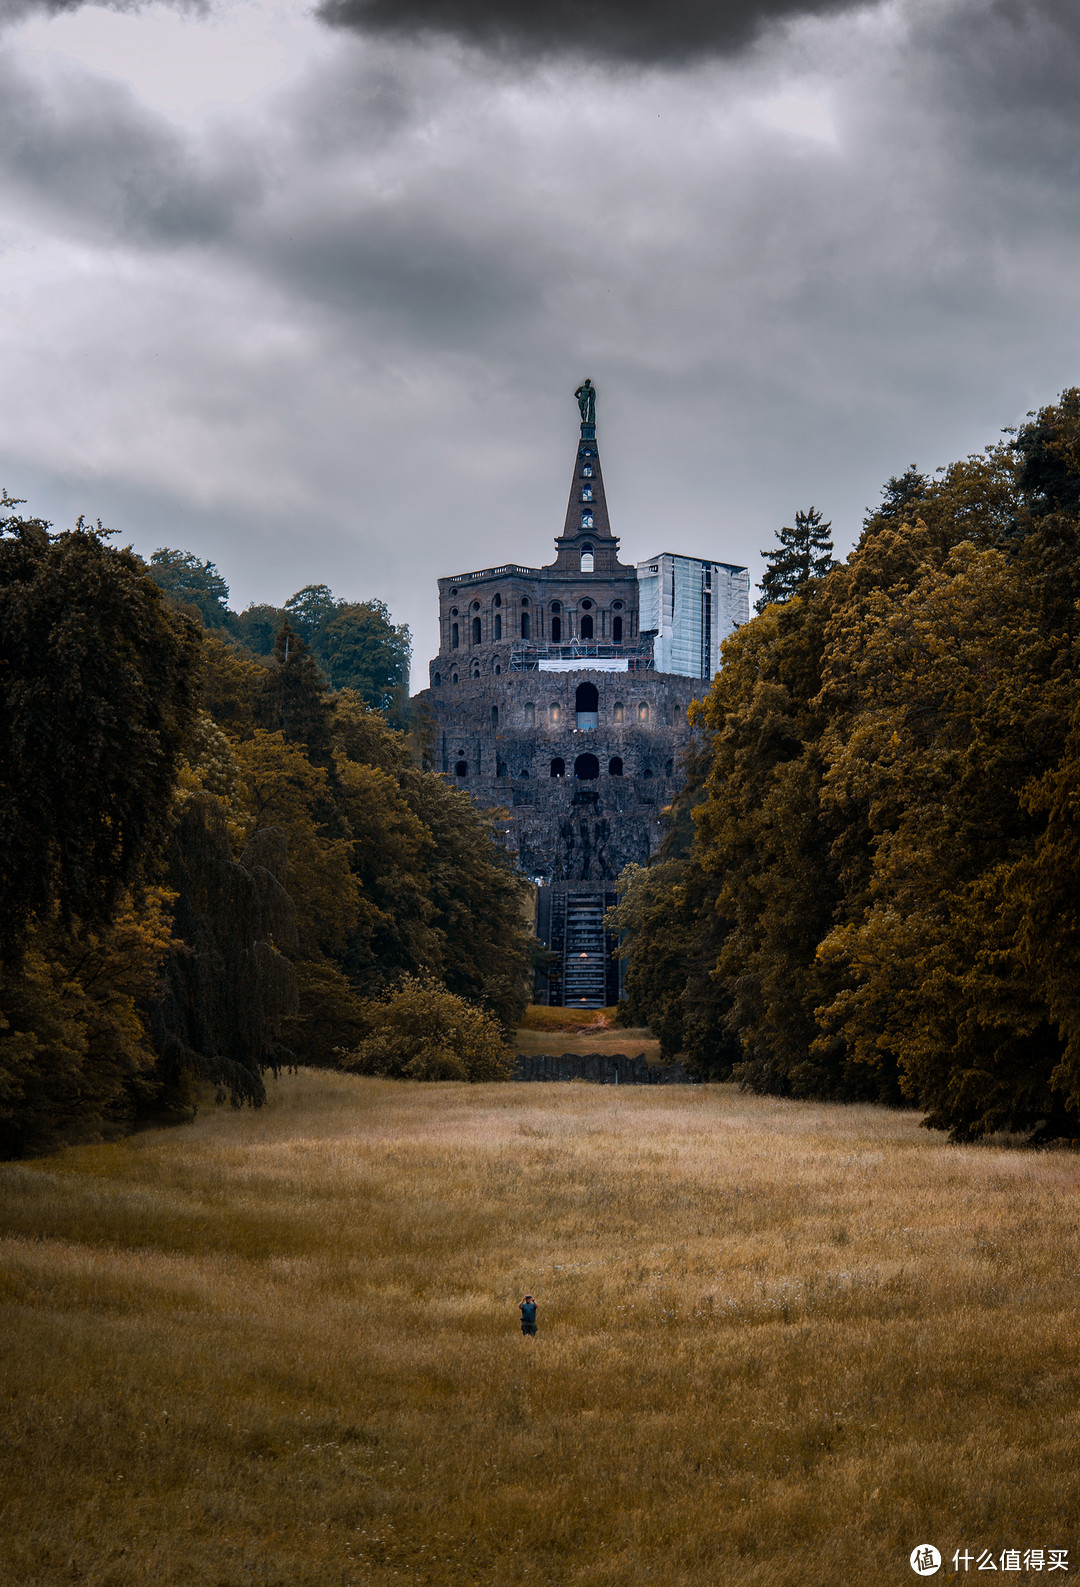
{"type": "Point", "coordinates": [586, 401]}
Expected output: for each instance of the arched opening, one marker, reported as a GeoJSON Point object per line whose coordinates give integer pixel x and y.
{"type": "Point", "coordinates": [556, 630]}
{"type": "Point", "coordinates": [461, 769]}
{"type": "Point", "coordinates": [497, 601]}
{"type": "Point", "coordinates": [494, 718]}
{"type": "Point", "coordinates": [554, 712]}
{"type": "Point", "coordinates": [501, 768]}
{"type": "Point", "coordinates": [587, 768]}
{"type": "Point", "coordinates": [436, 680]}
{"type": "Point", "coordinates": [586, 520]}
{"type": "Point", "coordinates": [676, 714]}
{"type": "Point", "coordinates": [454, 641]}
{"type": "Point", "coordinates": [616, 630]}
{"type": "Point", "coordinates": [524, 772]}
{"type": "Point", "coordinates": [558, 767]}
{"type": "Point", "coordinates": [615, 766]}
{"type": "Point", "coordinates": [498, 625]}
{"type": "Point", "coordinates": [524, 625]}
{"type": "Point", "coordinates": [646, 771]}
{"type": "Point", "coordinates": [498, 669]}
{"type": "Point", "coordinates": [643, 711]}
{"type": "Point", "coordinates": [530, 714]}
{"type": "Point", "coordinates": [476, 630]}
{"type": "Point", "coordinates": [618, 712]}
{"type": "Point", "coordinates": [669, 768]}
{"type": "Point", "coordinates": [586, 627]}
{"type": "Point", "coordinates": [454, 677]}
{"type": "Point", "coordinates": [556, 606]}
{"type": "Point", "coordinates": [587, 560]}
{"type": "Point", "coordinates": [587, 706]}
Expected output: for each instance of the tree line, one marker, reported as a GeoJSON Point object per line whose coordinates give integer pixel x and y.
{"type": "Point", "coordinates": [216, 859]}
{"type": "Point", "coordinates": [871, 884]}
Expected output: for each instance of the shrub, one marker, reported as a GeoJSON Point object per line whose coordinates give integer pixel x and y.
{"type": "Point", "coordinates": [420, 1031]}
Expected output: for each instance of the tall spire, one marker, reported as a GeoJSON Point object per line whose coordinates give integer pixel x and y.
{"type": "Point", "coordinates": [586, 525]}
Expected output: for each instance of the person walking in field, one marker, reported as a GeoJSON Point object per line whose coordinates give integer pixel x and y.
{"type": "Point", "coordinates": [528, 1315]}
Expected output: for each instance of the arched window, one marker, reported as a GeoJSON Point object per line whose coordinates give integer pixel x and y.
{"type": "Point", "coordinates": [556, 606]}
{"type": "Point", "coordinates": [475, 607]}
{"type": "Point", "coordinates": [453, 677]}
{"type": "Point", "coordinates": [497, 669]}
{"type": "Point", "coordinates": [586, 520]}
{"type": "Point", "coordinates": [474, 671]}
{"type": "Point", "coordinates": [494, 718]}
{"type": "Point", "coordinates": [461, 769]}
{"type": "Point", "coordinates": [643, 711]}
{"type": "Point", "coordinates": [646, 771]}
{"type": "Point", "coordinates": [587, 560]}
{"type": "Point", "coordinates": [586, 768]}
{"type": "Point", "coordinates": [587, 706]}
{"type": "Point", "coordinates": [616, 630]}
{"type": "Point", "coordinates": [476, 630]}
{"type": "Point", "coordinates": [554, 712]}
{"type": "Point", "coordinates": [524, 771]}
{"type": "Point", "coordinates": [498, 625]}
{"type": "Point", "coordinates": [500, 768]}
{"type": "Point", "coordinates": [615, 766]}
{"type": "Point", "coordinates": [558, 767]}
{"type": "Point", "coordinates": [530, 714]}
{"type": "Point", "coordinates": [618, 711]}
{"type": "Point", "coordinates": [556, 630]}
{"type": "Point", "coordinates": [676, 713]}
{"type": "Point", "coordinates": [586, 627]}
{"type": "Point", "coordinates": [524, 600]}
{"type": "Point", "coordinates": [586, 493]}
{"type": "Point", "coordinates": [454, 637]}
{"type": "Point", "coordinates": [497, 601]}
{"type": "Point", "coordinates": [436, 680]}
{"type": "Point", "coordinates": [669, 768]}
{"type": "Point", "coordinates": [524, 625]}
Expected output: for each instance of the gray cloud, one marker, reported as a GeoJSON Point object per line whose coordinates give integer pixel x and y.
{"type": "Point", "coordinates": [628, 30]}
{"type": "Point", "coordinates": [15, 10]}
{"type": "Point", "coordinates": [96, 157]}
{"type": "Point", "coordinates": [334, 335]}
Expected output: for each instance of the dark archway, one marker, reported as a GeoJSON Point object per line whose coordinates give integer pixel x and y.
{"type": "Point", "coordinates": [558, 767]}
{"type": "Point", "coordinates": [586, 627]}
{"type": "Point", "coordinates": [556, 630]}
{"type": "Point", "coordinates": [669, 768]}
{"type": "Point", "coordinates": [587, 697]}
{"type": "Point", "coordinates": [437, 679]}
{"type": "Point", "coordinates": [586, 767]}
{"type": "Point", "coordinates": [524, 625]}
{"type": "Point", "coordinates": [454, 637]}
{"type": "Point", "coordinates": [498, 625]}
{"type": "Point", "coordinates": [461, 769]}
{"type": "Point", "coordinates": [494, 718]}
{"type": "Point", "coordinates": [615, 766]}
{"type": "Point", "coordinates": [616, 630]}
{"type": "Point", "coordinates": [476, 630]}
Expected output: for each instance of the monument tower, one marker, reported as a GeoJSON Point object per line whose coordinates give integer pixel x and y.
{"type": "Point", "coordinates": [561, 693]}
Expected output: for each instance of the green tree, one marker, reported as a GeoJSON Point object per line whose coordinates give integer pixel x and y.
{"type": "Point", "coordinates": [420, 1031]}
{"type": "Point", "coordinates": [98, 692]}
{"type": "Point", "coordinates": [802, 553]}
{"type": "Point", "coordinates": [191, 583]}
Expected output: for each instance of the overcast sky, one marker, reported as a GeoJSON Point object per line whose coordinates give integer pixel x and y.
{"type": "Point", "coordinates": [308, 291]}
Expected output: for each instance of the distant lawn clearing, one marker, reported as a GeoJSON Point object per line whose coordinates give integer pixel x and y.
{"type": "Point", "coordinates": [780, 1344]}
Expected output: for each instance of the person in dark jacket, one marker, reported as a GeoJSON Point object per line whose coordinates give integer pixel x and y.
{"type": "Point", "coordinates": [528, 1315]}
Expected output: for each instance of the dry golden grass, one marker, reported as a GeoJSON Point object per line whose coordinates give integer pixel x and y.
{"type": "Point", "coordinates": [779, 1343]}
{"type": "Point", "coordinates": [595, 1038]}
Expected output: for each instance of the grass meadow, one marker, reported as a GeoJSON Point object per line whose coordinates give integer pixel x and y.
{"type": "Point", "coordinates": [780, 1343]}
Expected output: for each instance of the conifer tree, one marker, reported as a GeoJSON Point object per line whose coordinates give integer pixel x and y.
{"type": "Point", "coordinates": [804, 552]}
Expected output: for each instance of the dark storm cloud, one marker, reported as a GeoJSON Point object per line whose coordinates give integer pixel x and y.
{"type": "Point", "coordinates": [90, 152]}
{"type": "Point", "coordinates": [628, 30]}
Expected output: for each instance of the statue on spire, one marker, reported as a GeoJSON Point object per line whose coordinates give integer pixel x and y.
{"type": "Point", "coordinates": [586, 401]}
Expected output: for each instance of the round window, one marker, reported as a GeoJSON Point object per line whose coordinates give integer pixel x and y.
{"type": "Point", "coordinates": [586, 606]}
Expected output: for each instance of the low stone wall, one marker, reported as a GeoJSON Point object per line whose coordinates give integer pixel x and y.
{"type": "Point", "coordinates": [603, 1069]}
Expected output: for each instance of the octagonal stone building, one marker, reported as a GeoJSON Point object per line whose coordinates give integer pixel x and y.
{"type": "Point", "coordinates": [560, 693]}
